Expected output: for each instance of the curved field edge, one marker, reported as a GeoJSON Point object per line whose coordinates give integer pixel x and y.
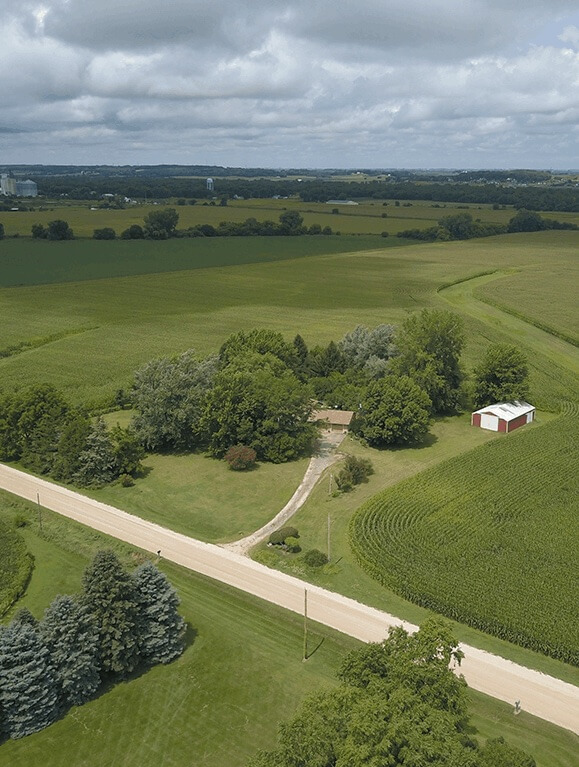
{"type": "Point", "coordinates": [573, 340]}
{"type": "Point", "coordinates": [486, 538]}
{"type": "Point", "coordinates": [16, 564]}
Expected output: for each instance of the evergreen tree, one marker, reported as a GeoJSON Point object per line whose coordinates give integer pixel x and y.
{"type": "Point", "coordinates": [72, 640]}
{"type": "Point", "coordinates": [109, 597]}
{"type": "Point", "coordinates": [97, 461]}
{"type": "Point", "coordinates": [71, 445]}
{"type": "Point", "coordinates": [161, 628]}
{"type": "Point", "coordinates": [28, 687]}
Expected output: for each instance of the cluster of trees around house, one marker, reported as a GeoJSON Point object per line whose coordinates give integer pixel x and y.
{"type": "Point", "coordinates": [532, 197]}
{"type": "Point", "coordinates": [259, 391]}
{"type": "Point", "coordinates": [121, 621]}
{"type": "Point", "coordinates": [462, 226]}
{"type": "Point", "coordinates": [398, 703]}
{"type": "Point", "coordinates": [42, 431]}
{"type": "Point", "coordinates": [254, 400]}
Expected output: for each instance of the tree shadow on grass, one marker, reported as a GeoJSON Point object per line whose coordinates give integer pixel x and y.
{"type": "Point", "coordinates": [110, 681]}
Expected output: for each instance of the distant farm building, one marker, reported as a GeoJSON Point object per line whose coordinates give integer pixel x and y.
{"type": "Point", "coordinates": [504, 416]}
{"type": "Point", "coordinates": [210, 185]}
{"type": "Point", "coordinates": [342, 202]}
{"type": "Point", "coordinates": [10, 187]}
{"type": "Point", "coordinates": [334, 420]}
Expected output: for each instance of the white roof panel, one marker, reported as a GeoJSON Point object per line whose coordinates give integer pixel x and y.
{"type": "Point", "coordinates": [508, 411]}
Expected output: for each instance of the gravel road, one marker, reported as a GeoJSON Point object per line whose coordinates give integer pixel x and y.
{"type": "Point", "coordinates": [541, 695]}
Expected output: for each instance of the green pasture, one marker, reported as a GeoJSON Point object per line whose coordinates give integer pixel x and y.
{"type": "Point", "coordinates": [367, 217]}
{"type": "Point", "coordinates": [88, 337]}
{"type": "Point", "coordinates": [241, 674]}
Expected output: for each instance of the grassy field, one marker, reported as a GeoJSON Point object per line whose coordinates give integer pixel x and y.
{"type": "Point", "coordinates": [487, 540]}
{"type": "Point", "coordinates": [115, 325]}
{"type": "Point", "coordinates": [525, 294]}
{"type": "Point", "coordinates": [368, 217]}
{"type": "Point", "coordinates": [241, 673]}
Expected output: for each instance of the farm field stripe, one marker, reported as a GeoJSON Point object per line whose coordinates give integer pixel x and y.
{"type": "Point", "coordinates": [541, 695]}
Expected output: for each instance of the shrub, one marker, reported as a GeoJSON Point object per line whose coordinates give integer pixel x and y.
{"type": "Point", "coordinates": [240, 457]}
{"type": "Point", "coordinates": [134, 232]}
{"type": "Point", "coordinates": [126, 480]}
{"type": "Point", "coordinates": [355, 471]}
{"type": "Point", "coordinates": [279, 536]}
{"type": "Point", "coordinates": [292, 545]}
{"type": "Point", "coordinates": [315, 558]}
{"type": "Point", "coordinates": [106, 233]}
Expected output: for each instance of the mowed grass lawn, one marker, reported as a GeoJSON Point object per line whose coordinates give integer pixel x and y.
{"type": "Point", "coordinates": [241, 674]}
{"type": "Point", "coordinates": [201, 497]}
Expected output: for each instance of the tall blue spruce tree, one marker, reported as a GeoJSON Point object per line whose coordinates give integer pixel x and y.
{"type": "Point", "coordinates": [161, 628]}
{"type": "Point", "coordinates": [72, 640]}
{"type": "Point", "coordinates": [28, 686]}
{"type": "Point", "coordinates": [109, 597]}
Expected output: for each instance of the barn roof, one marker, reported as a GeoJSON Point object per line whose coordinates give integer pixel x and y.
{"type": "Point", "coordinates": [508, 411]}
{"type": "Point", "coordinates": [338, 417]}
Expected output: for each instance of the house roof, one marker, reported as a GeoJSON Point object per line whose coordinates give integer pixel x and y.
{"type": "Point", "coordinates": [508, 411]}
{"type": "Point", "coordinates": [338, 417]}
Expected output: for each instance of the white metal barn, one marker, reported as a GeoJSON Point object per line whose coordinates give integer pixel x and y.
{"type": "Point", "coordinates": [504, 416]}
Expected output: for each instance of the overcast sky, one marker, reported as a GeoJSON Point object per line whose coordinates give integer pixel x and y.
{"type": "Point", "coordinates": [291, 83]}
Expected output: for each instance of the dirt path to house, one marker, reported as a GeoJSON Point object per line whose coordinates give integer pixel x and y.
{"type": "Point", "coordinates": [325, 456]}
{"type": "Point", "coordinates": [541, 695]}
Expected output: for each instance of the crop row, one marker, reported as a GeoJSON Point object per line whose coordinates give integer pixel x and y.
{"type": "Point", "coordinates": [489, 538]}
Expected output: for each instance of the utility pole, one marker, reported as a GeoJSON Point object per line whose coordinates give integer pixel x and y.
{"type": "Point", "coordinates": [305, 655]}
{"type": "Point", "coordinates": [330, 487]}
{"type": "Point", "coordinates": [39, 511]}
{"type": "Point", "coordinates": [328, 536]}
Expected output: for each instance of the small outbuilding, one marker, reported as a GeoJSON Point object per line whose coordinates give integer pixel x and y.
{"type": "Point", "coordinates": [334, 420]}
{"type": "Point", "coordinates": [504, 416]}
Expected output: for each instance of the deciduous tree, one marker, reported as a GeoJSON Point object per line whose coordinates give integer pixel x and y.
{"type": "Point", "coordinates": [395, 411]}
{"type": "Point", "coordinates": [169, 395]}
{"type": "Point", "coordinates": [429, 346]}
{"type": "Point", "coordinates": [502, 376]}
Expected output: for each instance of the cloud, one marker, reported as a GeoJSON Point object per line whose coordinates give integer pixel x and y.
{"type": "Point", "coordinates": [290, 82]}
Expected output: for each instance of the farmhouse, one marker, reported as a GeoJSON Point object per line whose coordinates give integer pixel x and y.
{"type": "Point", "coordinates": [504, 416]}
{"type": "Point", "coordinates": [334, 420]}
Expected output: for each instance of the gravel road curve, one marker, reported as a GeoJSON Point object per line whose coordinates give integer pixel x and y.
{"type": "Point", "coordinates": [541, 695]}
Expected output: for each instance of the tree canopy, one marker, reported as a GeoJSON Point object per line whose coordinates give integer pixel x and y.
{"type": "Point", "coordinates": [257, 401]}
{"type": "Point", "coordinates": [502, 376]}
{"type": "Point", "coordinates": [395, 411]}
{"type": "Point", "coordinates": [429, 347]}
{"type": "Point", "coordinates": [398, 703]}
